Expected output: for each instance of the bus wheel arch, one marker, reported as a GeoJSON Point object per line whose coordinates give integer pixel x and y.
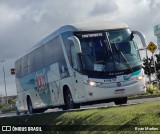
{"type": "Point", "coordinates": [29, 105]}
{"type": "Point", "coordinates": [68, 99]}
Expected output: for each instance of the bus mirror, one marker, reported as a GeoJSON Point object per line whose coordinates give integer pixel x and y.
{"type": "Point", "coordinates": [76, 43]}
{"type": "Point", "coordinates": [143, 40]}
{"type": "Point", "coordinates": [142, 37]}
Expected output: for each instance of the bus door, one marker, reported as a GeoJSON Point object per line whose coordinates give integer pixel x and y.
{"type": "Point", "coordinates": [77, 78]}
{"type": "Point", "coordinates": [54, 77]}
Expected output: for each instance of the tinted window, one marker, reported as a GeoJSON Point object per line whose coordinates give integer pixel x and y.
{"type": "Point", "coordinates": [67, 44]}
{"type": "Point", "coordinates": [31, 62]}
{"type": "Point", "coordinates": [48, 53]}
{"type": "Point", "coordinates": [24, 65]}
{"type": "Point", "coordinates": [18, 70]}
{"type": "Point", "coordinates": [39, 58]}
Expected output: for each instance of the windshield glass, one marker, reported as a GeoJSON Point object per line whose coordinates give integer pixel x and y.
{"type": "Point", "coordinates": [108, 51]}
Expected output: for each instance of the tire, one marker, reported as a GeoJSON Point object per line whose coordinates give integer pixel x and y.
{"type": "Point", "coordinates": [30, 107]}
{"type": "Point", "coordinates": [120, 101]}
{"type": "Point", "coordinates": [40, 110]}
{"type": "Point", "coordinates": [25, 112]}
{"type": "Point", "coordinates": [17, 112]}
{"type": "Point", "coordinates": [69, 104]}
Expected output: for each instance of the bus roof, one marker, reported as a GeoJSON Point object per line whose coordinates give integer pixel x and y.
{"type": "Point", "coordinates": [104, 25]}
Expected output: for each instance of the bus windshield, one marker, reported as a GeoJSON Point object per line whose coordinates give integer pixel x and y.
{"type": "Point", "coordinates": [109, 51]}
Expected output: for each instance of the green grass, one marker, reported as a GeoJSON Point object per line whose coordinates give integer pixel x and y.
{"type": "Point", "coordinates": [121, 116]}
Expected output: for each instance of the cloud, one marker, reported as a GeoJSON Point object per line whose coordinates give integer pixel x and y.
{"type": "Point", "coordinates": [24, 23]}
{"type": "Point", "coordinates": [105, 7]}
{"type": "Point", "coordinates": [154, 5]}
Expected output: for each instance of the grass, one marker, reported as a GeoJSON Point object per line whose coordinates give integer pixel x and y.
{"type": "Point", "coordinates": [115, 118]}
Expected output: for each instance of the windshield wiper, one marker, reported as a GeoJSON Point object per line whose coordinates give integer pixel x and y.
{"type": "Point", "coordinates": [124, 58]}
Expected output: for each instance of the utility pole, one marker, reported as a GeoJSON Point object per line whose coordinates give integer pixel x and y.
{"type": "Point", "coordinates": [4, 76]}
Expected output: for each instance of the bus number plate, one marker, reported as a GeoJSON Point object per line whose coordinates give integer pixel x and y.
{"type": "Point", "coordinates": [119, 91]}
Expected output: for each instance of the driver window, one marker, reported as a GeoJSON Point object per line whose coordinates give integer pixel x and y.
{"type": "Point", "coordinates": [75, 59]}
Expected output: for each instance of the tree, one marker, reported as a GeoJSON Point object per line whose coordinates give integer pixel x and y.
{"type": "Point", "coordinates": [148, 66]}
{"type": "Point", "coordinates": [158, 65]}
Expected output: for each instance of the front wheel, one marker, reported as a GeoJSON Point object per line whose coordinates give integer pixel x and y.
{"type": "Point", "coordinates": [120, 101]}
{"type": "Point", "coordinates": [69, 104]}
{"type": "Point", "coordinates": [41, 110]}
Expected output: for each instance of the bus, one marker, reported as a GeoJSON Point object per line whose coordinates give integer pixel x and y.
{"type": "Point", "coordinates": [80, 64]}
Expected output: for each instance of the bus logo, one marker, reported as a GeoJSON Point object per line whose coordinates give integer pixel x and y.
{"type": "Point", "coordinates": [127, 77]}
{"type": "Point", "coordinates": [40, 80]}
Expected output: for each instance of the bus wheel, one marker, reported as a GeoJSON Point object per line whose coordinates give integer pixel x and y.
{"type": "Point", "coordinates": [17, 112]}
{"type": "Point", "coordinates": [69, 104]}
{"type": "Point", "coordinates": [120, 101]}
{"type": "Point", "coordinates": [41, 110]}
{"type": "Point", "coordinates": [25, 112]}
{"type": "Point", "coordinates": [30, 108]}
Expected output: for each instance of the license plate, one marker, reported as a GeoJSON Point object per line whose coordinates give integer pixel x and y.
{"type": "Point", "coordinates": [119, 91]}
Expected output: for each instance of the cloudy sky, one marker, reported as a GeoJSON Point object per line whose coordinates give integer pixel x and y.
{"type": "Point", "coordinates": [25, 22]}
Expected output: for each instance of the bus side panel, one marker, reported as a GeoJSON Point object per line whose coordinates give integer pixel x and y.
{"type": "Point", "coordinates": [46, 67]}
{"type": "Point", "coordinates": [75, 82]}
{"type": "Point", "coordinates": [21, 95]}
{"type": "Point", "coordinates": [54, 84]}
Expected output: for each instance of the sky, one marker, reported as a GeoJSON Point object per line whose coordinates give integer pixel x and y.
{"type": "Point", "coordinates": [25, 22]}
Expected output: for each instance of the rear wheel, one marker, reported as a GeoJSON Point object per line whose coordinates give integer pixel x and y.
{"type": "Point", "coordinates": [25, 112]}
{"type": "Point", "coordinates": [69, 104]}
{"type": "Point", "coordinates": [17, 112]}
{"type": "Point", "coordinates": [30, 108]}
{"type": "Point", "coordinates": [120, 101]}
{"type": "Point", "coordinates": [40, 110]}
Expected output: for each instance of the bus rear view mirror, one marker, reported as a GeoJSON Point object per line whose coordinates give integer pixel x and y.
{"type": "Point", "coordinates": [143, 40]}
{"type": "Point", "coordinates": [76, 43]}
{"type": "Point", "coordinates": [142, 37]}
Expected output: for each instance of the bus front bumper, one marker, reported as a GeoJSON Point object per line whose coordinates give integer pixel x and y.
{"type": "Point", "coordinates": [97, 93]}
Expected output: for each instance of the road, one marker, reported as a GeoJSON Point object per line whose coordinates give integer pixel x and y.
{"type": "Point", "coordinates": [130, 102]}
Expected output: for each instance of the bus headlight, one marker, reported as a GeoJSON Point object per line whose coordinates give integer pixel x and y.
{"type": "Point", "coordinates": [92, 83]}
{"type": "Point", "coordinates": [139, 77]}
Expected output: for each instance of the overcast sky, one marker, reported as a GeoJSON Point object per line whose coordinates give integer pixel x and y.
{"type": "Point", "coordinates": [24, 22]}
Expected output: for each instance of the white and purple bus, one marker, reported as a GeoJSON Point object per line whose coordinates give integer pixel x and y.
{"type": "Point", "coordinates": [80, 64]}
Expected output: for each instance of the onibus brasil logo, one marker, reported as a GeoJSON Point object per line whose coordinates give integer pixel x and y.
{"type": "Point", "coordinates": [40, 80]}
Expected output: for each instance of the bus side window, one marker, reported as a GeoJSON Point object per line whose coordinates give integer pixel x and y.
{"type": "Point", "coordinates": [75, 58]}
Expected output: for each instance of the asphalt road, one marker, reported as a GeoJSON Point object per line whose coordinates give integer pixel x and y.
{"type": "Point", "coordinates": [130, 102]}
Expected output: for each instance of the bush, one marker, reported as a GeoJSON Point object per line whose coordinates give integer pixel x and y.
{"type": "Point", "coordinates": [7, 108]}
{"type": "Point", "coordinates": [1, 105]}
{"type": "Point", "coordinates": [152, 89]}
{"type": "Point", "coordinates": [12, 102]}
